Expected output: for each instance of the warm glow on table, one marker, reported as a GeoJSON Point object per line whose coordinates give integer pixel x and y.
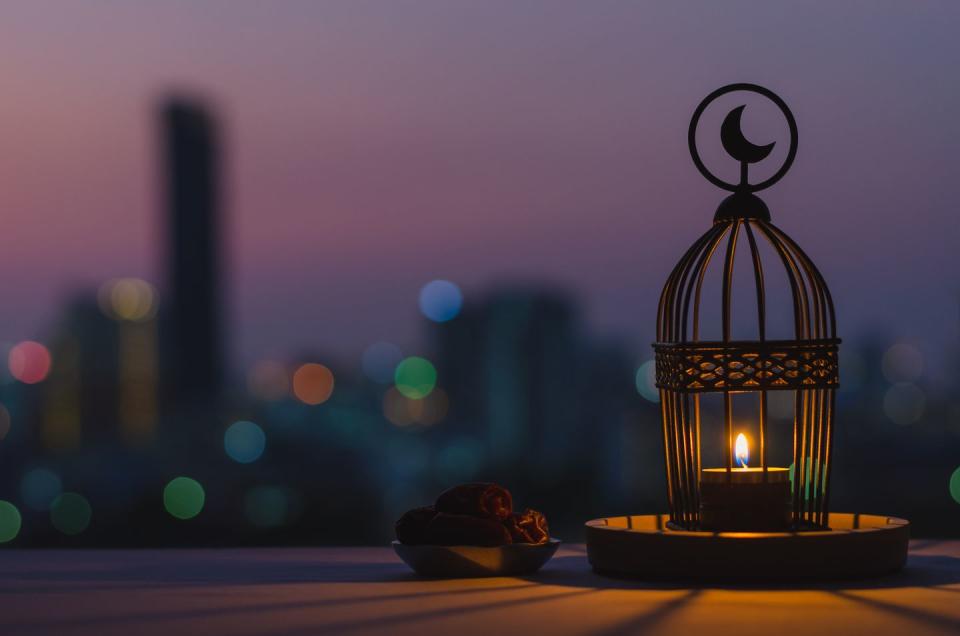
{"type": "Point", "coordinates": [307, 591]}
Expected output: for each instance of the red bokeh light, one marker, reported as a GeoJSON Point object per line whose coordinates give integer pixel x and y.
{"type": "Point", "coordinates": [29, 362]}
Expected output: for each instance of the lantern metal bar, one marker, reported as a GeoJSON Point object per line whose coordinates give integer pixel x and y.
{"type": "Point", "coordinates": [822, 284]}
{"type": "Point", "coordinates": [690, 478]}
{"type": "Point", "coordinates": [682, 464]}
{"type": "Point", "coordinates": [666, 296]}
{"type": "Point", "coordinates": [727, 291]}
{"type": "Point", "coordinates": [825, 509]}
{"type": "Point", "coordinates": [819, 324]}
{"type": "Point", "coordinates": [762, 335]}
{"type": "Point", "coordinates": [679, 320]}
{"type": "Point", "coordinates": [697, 456]}
{"type": "Point", "coordinates": [816, 429]}
{"type": "Point", "coordinates": [701, 269]}
{"type": "Point", "coordinates": [671, 504]}
{"type": "Point", "coordinates": [673, 456]}
{"type": "Point", "coordinates": [817, 494]}
{"type": "Point", "coordinates": [682, 473]}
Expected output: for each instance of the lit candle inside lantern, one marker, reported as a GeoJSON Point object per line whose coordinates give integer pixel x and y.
{"type": "Point", "coordinates": [742, 451]}
{"type": "Point", "coordinates": [744, 498]}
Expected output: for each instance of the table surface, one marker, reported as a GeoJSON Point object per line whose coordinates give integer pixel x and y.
{"type": "Point", "coordinates": [293, 591]}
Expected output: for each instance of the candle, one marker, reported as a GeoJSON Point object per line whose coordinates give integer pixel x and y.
{"type": "Point", "coordinates": [745, 498]}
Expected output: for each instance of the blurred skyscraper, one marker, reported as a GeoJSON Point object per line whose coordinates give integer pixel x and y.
{"type": "Point", "coordinates": [510, 366]}
{"type": "Point", "coordinates": [192, 341]}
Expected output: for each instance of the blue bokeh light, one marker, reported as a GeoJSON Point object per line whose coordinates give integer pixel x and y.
{"type": "Point", "coordinates": [646, 381]}
{"type": "Point", "coordinates": [380, 360]}
{"type": "Point", "coordinates": [39, 487]}
{"type": "Point", "coordinates": [244, 442]}
{"type": "Point", "coordinates": [440, 300]}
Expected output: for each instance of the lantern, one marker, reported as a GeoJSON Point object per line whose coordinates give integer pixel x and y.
{"type": "Point", "coordinates": [732, 513]}
{"type": "Point", "coordinates": [736, 496]}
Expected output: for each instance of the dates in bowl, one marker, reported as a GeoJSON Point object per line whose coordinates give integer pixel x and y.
{"type": "Point", "coordinates": [472, 530]}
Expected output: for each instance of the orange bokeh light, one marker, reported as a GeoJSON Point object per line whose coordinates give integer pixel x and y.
{"type": "Point", "coordinates": [313, 383]}
{"type": "Point", "coordinates": [29, 362]}
{"type": "Point", "coordinates": [403, 411]}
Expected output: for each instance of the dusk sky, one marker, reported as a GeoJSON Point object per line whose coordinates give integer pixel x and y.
{"type": "Point", "coordinates": [375, 146]}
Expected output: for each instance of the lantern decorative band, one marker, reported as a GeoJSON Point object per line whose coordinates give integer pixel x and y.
{"type": "Point", "coordinates": [772, 365]}
{"type": "Point", "coordinates": [734, 495]}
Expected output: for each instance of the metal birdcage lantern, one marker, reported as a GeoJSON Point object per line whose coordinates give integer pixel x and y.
{"type": "Point", "coordinates": [732, 496]}
{"type": "Point", "coordinates": [736, 518]}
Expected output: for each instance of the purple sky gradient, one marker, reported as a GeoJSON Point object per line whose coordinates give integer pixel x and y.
{"type": "Point", "coordinates": [374, 146]}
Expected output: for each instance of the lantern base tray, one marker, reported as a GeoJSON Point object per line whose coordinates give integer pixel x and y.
{"type": "Point", "coordinates": [644, 546]}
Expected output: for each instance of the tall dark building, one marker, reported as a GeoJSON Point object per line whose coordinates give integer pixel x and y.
{"type": "Point", "coordinates": [192, 341]}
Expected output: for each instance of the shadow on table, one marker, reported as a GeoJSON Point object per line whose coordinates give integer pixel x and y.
{"type": "Point", "coordinates": [209, 569]}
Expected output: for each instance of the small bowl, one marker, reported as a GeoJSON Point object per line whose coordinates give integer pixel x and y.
{"type": "Point", "coordinates": [469, 561]}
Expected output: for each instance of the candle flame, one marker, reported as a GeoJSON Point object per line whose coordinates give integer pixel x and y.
{"type": "Point", "coordinates": [741, 451]}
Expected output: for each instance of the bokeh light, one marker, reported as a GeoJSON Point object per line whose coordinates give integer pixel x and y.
{"type": "Point", "coordinates": [396, 408]}
{"type": "Point", "coordinates": [955, 485]}
{"type": "Point", "coordinates": [415, 377]}
{"type": "Point", "coordinates": [440, 300]}
{"type": "Point", "coordinates": [266, 506]}
{"type": "Point", "coordinates": [646, 381]}
{"type": "Point", "coordinates": [9, 521]}
{"type": "Point", "coordinates": [4, 422]}
{"type": "Point", "coordinates": [313, 383]}
{"type": "Point", "coordinates": [183, 497]}
{"type": "Point", "coordinates": [29, 362]}
{"type": "Point", "coordinates": [269, 380]}
{"type": "Point", "coordinates": [130, 299]}
{"type": "Point", "coordinates": [403, 411]}
{"type": "Point", "coordinates": [39, 487]}
{"type": "Point", "coordinates": [244, 442]}
{"type": "Point", "coordinates": [380, 360]}
{"type": "Point", "coordinates": [902, 363]}
{"type": "Point", "coordinates": [812, 468]}
{"type": "Point", "coordinates": [70, 513]}
{"type": "Point", "coordinates": [904, 403]}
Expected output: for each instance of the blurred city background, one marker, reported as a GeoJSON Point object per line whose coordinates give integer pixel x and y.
{"type": "Point", "coordinates": [273, 273]}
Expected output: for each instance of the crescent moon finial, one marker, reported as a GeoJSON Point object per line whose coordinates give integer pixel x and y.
{"type": "Point", "coordinates": [736, 144]}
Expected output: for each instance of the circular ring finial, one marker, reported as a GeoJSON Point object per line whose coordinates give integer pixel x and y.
{"type": "Point", "coordinates": [736, 145]}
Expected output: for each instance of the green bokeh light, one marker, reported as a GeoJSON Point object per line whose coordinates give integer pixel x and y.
{"type": "Point", "coordinates": [415, 377]}
{"type": "Point", "coordinates": [9, 521]}
{"type": "Point", "coordinates": [70, 513]}
{"type": "Point", "coordinates": [811, 467]}
{"type": "Point", "coordinates": [183, 497]}
{"type": "Point", "coordinates": [955, 485]}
